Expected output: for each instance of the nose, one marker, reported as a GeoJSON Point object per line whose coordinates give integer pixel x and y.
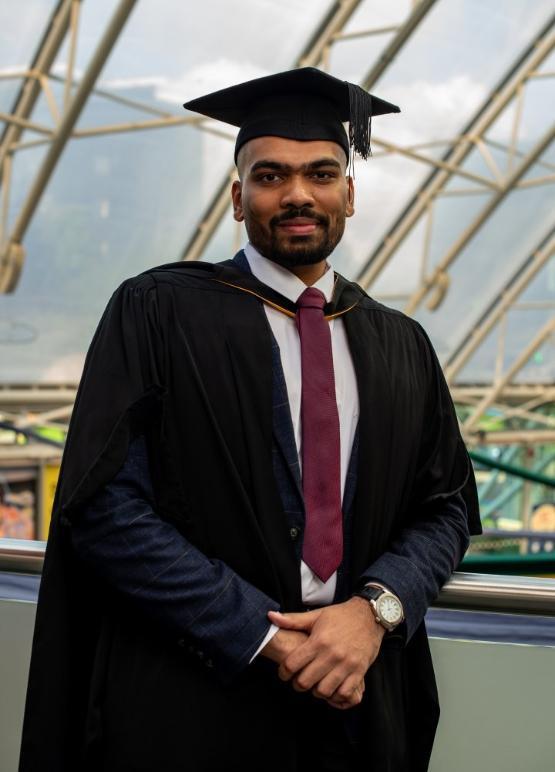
{"type": "Point", "coordinates": [297, 193]}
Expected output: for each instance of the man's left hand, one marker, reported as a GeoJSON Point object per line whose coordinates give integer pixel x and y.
{"type": "Point", "coordinates": [344, 640]}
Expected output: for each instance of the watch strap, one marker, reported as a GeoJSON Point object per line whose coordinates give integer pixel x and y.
{"type": "Point", "coordinates": [370, 592]}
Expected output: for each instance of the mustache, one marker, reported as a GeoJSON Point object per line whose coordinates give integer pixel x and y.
{"type": "Point", "coordinates": [291, 214]}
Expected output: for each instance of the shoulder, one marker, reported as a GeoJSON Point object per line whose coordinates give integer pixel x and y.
{"type": "Point", "coordinates": [172, 274]}
{"type": "Point", "coordinates": [160, 281]}
{"type": "Point", "coordinates": [385, 314]}
{"type": "Point", "coordinates": [399, 335]}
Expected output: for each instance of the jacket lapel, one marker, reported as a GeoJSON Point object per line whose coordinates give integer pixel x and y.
{"type": "Point", "coordinates": [249, 341]}
{"type": "Point", "coordinates": [282, 424]}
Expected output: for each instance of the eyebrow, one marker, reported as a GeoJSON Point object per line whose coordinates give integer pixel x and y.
{"type": "Point", "coordinates": [281, 167]}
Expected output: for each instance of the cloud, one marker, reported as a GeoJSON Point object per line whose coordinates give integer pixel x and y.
{"type": "Point", "coordinates": [64, 369]}
{"type": "Point", "coordinates": [433, 110]}
{"type": "Point", "coordinates": [201, 79]}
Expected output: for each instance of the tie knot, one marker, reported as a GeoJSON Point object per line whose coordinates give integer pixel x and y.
{"type": "Point", "coordinates": [312, 298]}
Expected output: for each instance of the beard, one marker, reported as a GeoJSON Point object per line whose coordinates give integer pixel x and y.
{"type": "Point", "coordinates": [293, 251]}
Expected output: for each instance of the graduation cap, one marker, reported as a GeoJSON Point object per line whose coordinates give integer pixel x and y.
{"type": "Point", "coordinates": [302, 104]}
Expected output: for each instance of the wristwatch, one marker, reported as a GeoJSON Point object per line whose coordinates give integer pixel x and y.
{"type": "Point", "coordinates": [387, 608]}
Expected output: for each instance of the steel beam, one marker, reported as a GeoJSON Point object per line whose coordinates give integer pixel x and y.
{"type": "Point", "coordinates": [512, 393]}
{"type": "Point", "coordinates": [511, 437]}
{"type": "Point", "coordinates": [489, 398]}
{"type": "Point", "coordinates": [10, 268]}
{"type": "Point", "coordinates": [491, 205]}
{"type": "Point", "coordinates": [531, 417]}
{"type": "Point", "coordinates": [506, 298]}
{"type": "Point", "coordinates": [404, 31]}
{"type": "Point", "coordinates": [28, 453]}
{"type": "Point", "coordinates": [408, 152]}
{"type": "Point", "coordinates": [496, 102]}
{"type": "Point", "coordinates": [30, 91]}
{"type": "Point", "coordinates": [335, 21]}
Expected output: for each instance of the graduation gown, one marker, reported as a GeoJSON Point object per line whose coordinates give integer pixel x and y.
{"type": "Point", "coordinates": [183, 355]}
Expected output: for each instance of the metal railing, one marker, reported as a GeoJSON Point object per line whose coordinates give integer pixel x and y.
{"type": "Point", "coordinates": [22, 556]}
{"type": "Point", "coordinates": [464, 591]}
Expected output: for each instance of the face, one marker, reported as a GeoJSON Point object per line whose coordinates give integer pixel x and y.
{"type": "Point", "coordinates": [293, 197]}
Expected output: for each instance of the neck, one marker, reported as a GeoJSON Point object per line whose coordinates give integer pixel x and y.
{"type": "Point", "coordinates": [309, 274]}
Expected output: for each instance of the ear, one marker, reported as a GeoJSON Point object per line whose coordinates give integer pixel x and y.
{"type": "Point", "coordinates": [236, 197]}
{"type": "Point", "coordinates": [350, 208]}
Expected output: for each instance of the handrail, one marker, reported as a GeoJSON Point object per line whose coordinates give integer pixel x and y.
{"type": "Point", "coordinates": [522, 533]}
{"type": "Point", "coordinates": [491, 592]}
{"type": "Point", "coordinates": [22, 556]}
{"type": "Point", "coordinates": [464, 591]}
{"type": "Point", "coordinates": [516, 471]}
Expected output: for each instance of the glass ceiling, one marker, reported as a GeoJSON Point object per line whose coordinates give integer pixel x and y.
{"type": "Point", "coordinates": [120, 201]}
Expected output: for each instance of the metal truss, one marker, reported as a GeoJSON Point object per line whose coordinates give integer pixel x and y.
{"type": "Point", "coordinates": [37, 405]}
{"type": "Point", "coordinates": [66, 15]}
{"type": "Point", "coordinates": [316, 53]}
{"type": "Point", "coordinates": [23, 408]}
{"type": "Point", "coordinates": [496, 314]}
{"type": "Point", "coordinates": [500, 306]}
{"type": "Point", "coordinates": [18, 119]}
{"type": "Point", "coordinates": [470, 424]}
{"type": "Point", "coordinates": [512, 85]}
{"type": "Point", "coordinates": [32, 452]}
{"type": "Point", "coordinates": [511, 437]}
{"type": "Point", "coordinates": [531, 403]}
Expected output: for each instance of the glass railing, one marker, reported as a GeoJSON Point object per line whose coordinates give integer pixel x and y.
{"type": "Point", "coordinates": [500, 693]}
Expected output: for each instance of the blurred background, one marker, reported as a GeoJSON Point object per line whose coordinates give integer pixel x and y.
{"type": "Point", "coordinates": [103, 174]}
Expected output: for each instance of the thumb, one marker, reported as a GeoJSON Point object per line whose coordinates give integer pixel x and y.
{"type": "Point", "coordinates": [302, 621]}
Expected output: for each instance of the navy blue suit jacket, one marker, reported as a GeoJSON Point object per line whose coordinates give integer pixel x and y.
{"type": "Point", "coordinates": [202, 602]}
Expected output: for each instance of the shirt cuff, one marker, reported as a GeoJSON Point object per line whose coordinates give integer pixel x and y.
{"type": "Point", "coordinates": [267, 638]}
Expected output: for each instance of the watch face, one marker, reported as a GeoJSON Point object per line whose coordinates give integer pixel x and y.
{"type": "Point", "coordinates": [390, 609]}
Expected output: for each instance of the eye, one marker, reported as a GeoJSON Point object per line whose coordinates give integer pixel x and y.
{"type": "Point", "coordinates": [323, 176]}
{"type": "Point", "coordinates": [268, 177]}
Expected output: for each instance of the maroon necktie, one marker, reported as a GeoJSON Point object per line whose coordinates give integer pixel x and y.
{"type": "Point", "coordinates": [323, 538]}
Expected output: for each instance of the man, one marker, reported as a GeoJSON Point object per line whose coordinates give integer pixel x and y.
{"type": "Point", "coordinates": [264, 486]}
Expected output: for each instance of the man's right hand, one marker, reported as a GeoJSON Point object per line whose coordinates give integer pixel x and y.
{"type": "Point", "coordinates": [283, 643]}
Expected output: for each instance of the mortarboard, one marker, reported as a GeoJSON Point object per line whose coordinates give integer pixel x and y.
{"type": "Point", "coordinates": [302, 104]}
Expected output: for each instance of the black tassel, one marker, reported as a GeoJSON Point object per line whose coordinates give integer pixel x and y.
{"type": "Point", "coordinates": [360, 121]}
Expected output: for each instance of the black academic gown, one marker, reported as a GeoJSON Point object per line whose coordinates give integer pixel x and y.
{"type": "Point", "coordinates": [183, 355]}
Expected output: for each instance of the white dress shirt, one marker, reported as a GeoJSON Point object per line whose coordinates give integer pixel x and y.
{"type": "Point", "coordinates": [314, 591]}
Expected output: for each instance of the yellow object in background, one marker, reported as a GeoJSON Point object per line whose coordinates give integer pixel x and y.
{"type": "Point", "coordinates": [49, 480]}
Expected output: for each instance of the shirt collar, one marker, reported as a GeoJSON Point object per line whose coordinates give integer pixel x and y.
{"type": "Point", "coordinates": [282, 280]}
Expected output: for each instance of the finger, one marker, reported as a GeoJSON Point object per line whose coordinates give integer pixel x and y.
{"type": "Point", "coordinates": [351, 688]}
{"type": "Point", "coordinates": [303, 621]}
{"type": "Point", "coordinates": [326, 687]}
{"type": "Point", "coordinates": [320, 668]}
{"type": "Point", "coordinates": [341, 704]}
{"type": "Point", "coordinates": [298, 659]}
{"type": "Point", "coordinates": [354, 699]}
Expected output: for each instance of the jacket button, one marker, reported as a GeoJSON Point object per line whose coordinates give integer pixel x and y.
{"type": "Point", "coordinates": [294, 532]}
{"type": "Point", "coordinates": [209, 663]}
{"type": "Point", "coordinates": [181, 642]}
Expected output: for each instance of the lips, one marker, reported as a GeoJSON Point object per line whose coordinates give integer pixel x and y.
{"type": "Point", "coordinates": [298, 226]}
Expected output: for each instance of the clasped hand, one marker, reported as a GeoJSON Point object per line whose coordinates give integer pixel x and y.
{"type": "Point", "coordinates": [327, 651]}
